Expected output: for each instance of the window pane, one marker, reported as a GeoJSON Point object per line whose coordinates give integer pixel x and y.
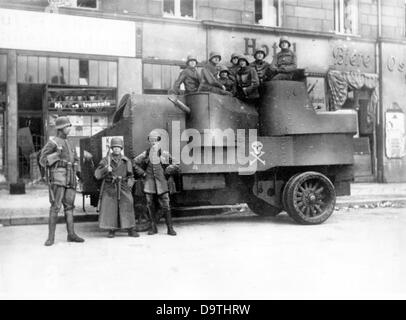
{"type": "Point", "coordinates": [258, 11]}
{"type": "Point", "coordinates": [103, 73]}
{"type": "Point", "coordinates": [42, 70]}
{"type": "Point", "coordinates": [87, 3]}
{"type": "Point", "coordinates": [3, 67]}
{"type": "Point", "coordinates": [156, 76]}
{"type": "Point", "coordinates": [93, 73]}
{"type": "Point", "coordinates": [147, 81]}
{"type": "Point", "coordinates": [175, 70]}
{"type": "Point", "coordinates": [112, 74]}
{"type": "Point", "coordinates": [169, 7]}
{"type": "Point", "coordinates": [73, 71]}
{"type": "Point", "coordinates": [53, 71]}
{"type": "Point", "coordinates": [64, 71]}
{"type": "Point", "coordinates": [166, 77]}
{"type": "Point", "coordinates": [21, 68]}
{"type": "Point", "coordinates": [84, 72]}
{"type": "Point", "coordinates": [32, 69]}
{"type": "Point", "coordinates": [186, 8]}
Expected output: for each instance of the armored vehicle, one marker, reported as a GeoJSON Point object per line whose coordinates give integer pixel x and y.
{"type": "Point", "coordinates": [277, 154]}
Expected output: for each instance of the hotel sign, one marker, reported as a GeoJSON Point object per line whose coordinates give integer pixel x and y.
{"type": "Point", "coordinates": [40, 31]}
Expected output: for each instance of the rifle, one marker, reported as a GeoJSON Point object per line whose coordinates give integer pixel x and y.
{"type": "Point", "coordinates": [104, 179]}
{"type": "Point", "coordinates": [118, 183]}
{"type": "Point", "coordinates": [51, 193]}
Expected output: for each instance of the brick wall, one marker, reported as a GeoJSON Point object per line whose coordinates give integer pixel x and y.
{"type": "Point", "coordinates": [234, 11]}
{"type": "Point", "coordinates": [368, 18]}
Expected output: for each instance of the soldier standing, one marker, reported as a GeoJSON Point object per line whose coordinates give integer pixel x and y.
{"type": "Point", "coordinates": [189, 77]}
{"type": "Point", "coordinates": [60, 160]}
{"type": "Point", "coordinates": [116, 207]}
{"type": "Point", "coordinates": [285, 62]}
{"type": "Point", "coordinates": [154, 165]}
{"type": "Point", "coordinates": [234, 66]}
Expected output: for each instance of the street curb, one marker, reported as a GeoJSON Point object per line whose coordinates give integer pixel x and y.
{"type": "Point", "coordinates": [203, 211]}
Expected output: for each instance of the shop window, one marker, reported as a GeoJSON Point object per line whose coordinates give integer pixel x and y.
{"type": "Point", "coordinates": [346, 16]}
{"type": "Point", "coordinates": [84, 72]}
{"type": "Point", "coordinates": [3, 68]}
{"type": "Point", "coordinates": [268, 12]}
{"type": "Point", "coordinates": [159, 78]}
{"type": "Point", "coordinates": [85, 4]}
{"type": "Point", "coordinates": [179, 8]}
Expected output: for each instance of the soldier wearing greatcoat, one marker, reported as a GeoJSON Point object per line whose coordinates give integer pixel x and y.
{"type": "Point", "coordinates": [262, 67]}
{"type": "Point", "coordinates": [116, 203]}
{"type": "Point", "coordinates": [234, 66]}
{"type": "Point", "coordinates": [227, 81]}
{"type": "Point", "coordinates": [247, 80]}
{"type": "Point", "coordinates": [154, 166]}
{"type": "Point", "coordinates": [60, 160]}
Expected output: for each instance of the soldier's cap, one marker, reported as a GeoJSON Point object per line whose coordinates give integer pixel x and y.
{"type": "Point", "coordinates": [234, 55]}
{"type": "Point", "coordinates": [214, 54]}
{"type": "Point", "coordinates": [224, 69]}
{"type": "Point", "coordinates": [154, 134]}
{"type": "Point", "coordinates": [62, 122]}
{"type": "Point", "coordinates": [191, 58]}
{"type": "Point", "coordinates": [260, 50]}
{"type": "Point", "coordinates": [284, 39]}
{"type": "Point", "coordinates": [116, 142]}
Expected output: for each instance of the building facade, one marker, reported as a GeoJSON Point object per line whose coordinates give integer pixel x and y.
{"type": "Point", "coordinates": [78, 57]}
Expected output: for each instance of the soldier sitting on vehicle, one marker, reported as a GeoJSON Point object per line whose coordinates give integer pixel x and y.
{"type": "Point", "coordinates": [189, 77]}
{"type": "Point", "coordinates": [234, 66]}
{"type": "Point", "coordinates": [60, 160]}
{"type": "Point", "coordinates": [154, 165]}
{"type": "Point", "coordinates": [209, 81]}
{"type": "Point", "coordinates": [227, 81]}
{"type": "Point", "coordinates": [284, 65]}
{"type": "Point", "coordinates": [262, 67]}
{"type": "Point", "coordinates": [116, 203]}
{"type": "Point", "coordinates": [247, 80]}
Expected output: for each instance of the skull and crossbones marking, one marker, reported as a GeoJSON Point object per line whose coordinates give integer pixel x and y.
{"type": "Point", "coordinates": [257, 152]}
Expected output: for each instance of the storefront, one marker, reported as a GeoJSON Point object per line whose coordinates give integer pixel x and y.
{"type": "Point", "coordinates": [393, 111]}
{"type": "Point", "coordinates": [53, 72]}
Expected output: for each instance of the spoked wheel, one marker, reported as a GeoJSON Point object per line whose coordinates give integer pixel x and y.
{"type": "Point", "coordinates": [310, 198]}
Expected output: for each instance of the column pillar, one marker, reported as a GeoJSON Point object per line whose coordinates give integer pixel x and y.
{"type": "Point", "coordinates": [12, 118]}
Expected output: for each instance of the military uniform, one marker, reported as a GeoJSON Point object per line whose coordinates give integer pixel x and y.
{"type": "Point", "coordinates": [247, 82]}
{"type": "Point", "coordinates": [285, 63]}
{"type": "Point", "coordinates": [209, 80]}
{"type": "Point", "coordinates": [59, 158]}
{"type": "Point", "coordinates": [190, 77]}
{"type": "Point", "coordinates": [228, 82]}
{"type": "Point", "coordinates": [262, 67]}
{"type": "Point", "coordinates": [153, 166]}
{"type": "Point", "coordinates": [116, 213]}
{"type": "Point", "coordinates": [233, 68]}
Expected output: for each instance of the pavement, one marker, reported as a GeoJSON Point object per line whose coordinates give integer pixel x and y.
{"type": "Point", "coordinates": [33, 206]}
{"type": "Point", "coordinates": [355, 254]}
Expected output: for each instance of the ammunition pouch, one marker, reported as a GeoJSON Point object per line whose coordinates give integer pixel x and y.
{"type": "Point", "coordinates": [53, 158]}
{"type": "Point", "coordinates": [64, 174]}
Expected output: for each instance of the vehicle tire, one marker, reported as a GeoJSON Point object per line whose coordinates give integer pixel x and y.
{"type": "Point", "coordinates": [310, 198]}
{"type": "Point", "coordinates": [285, 192]}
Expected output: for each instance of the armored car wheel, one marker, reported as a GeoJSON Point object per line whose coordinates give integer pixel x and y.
{"type": "Point", "coordinates": [285, 192]}
{"type": "Point", "coordinates": [310, 198]}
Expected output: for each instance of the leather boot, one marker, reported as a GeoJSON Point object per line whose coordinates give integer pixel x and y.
{"type": "Point", "coordinates": [111, 234]}
{"type": "Point", "coordinates": [51, 228]}
{"type": "Point", "coordinates": [168, 219]}
{"type": "Point", "coordinates": [133, 233]}
{"type": "Point", "coordinates": [154, 229]}
{"type": "Point", "coordinates": [72, 236]}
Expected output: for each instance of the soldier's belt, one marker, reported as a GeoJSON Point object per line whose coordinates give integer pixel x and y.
{"type": "Point", "coordinates": [64, 164]}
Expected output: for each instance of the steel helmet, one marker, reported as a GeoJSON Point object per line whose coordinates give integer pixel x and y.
{"type": "Point", "coordinates": [62, 122]}
{"type": "Point", "coordinates": [191, 58]}
{"type": "Point", "coordinates": [234, 55]}
{"type": "Point", "coordinates": [224, 69]}
{"type": "Point", "coordinates": [259, 50]}
{"type": "Point", "coordinates": [214, 54]}
{"type": "Point", "coordinates": [154, 134]}
{"type": "Point", "coordinates": [116, 142]}
{"type": "Point", "coordinates": [242, 57]}
{"type": "Point", "coordinates": [284, 39]}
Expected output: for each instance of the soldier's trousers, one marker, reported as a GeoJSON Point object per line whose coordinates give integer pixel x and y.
{"type": "Point", "coordinates": [62, 197]}
{"type": "Point", "coordinates": [163, 200]}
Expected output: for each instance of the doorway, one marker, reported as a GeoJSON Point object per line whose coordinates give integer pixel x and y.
{"type": "Point", "coordinates": [30, 138]}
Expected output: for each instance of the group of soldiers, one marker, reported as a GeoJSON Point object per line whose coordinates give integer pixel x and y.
{"type": "Point", "coordinates": [241, 78]}
{"type": "Point", "coordinates": [117, 173]}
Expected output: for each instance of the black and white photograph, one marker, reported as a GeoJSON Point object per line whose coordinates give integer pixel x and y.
{"type": "Point", "coordinates": [202, 150]}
